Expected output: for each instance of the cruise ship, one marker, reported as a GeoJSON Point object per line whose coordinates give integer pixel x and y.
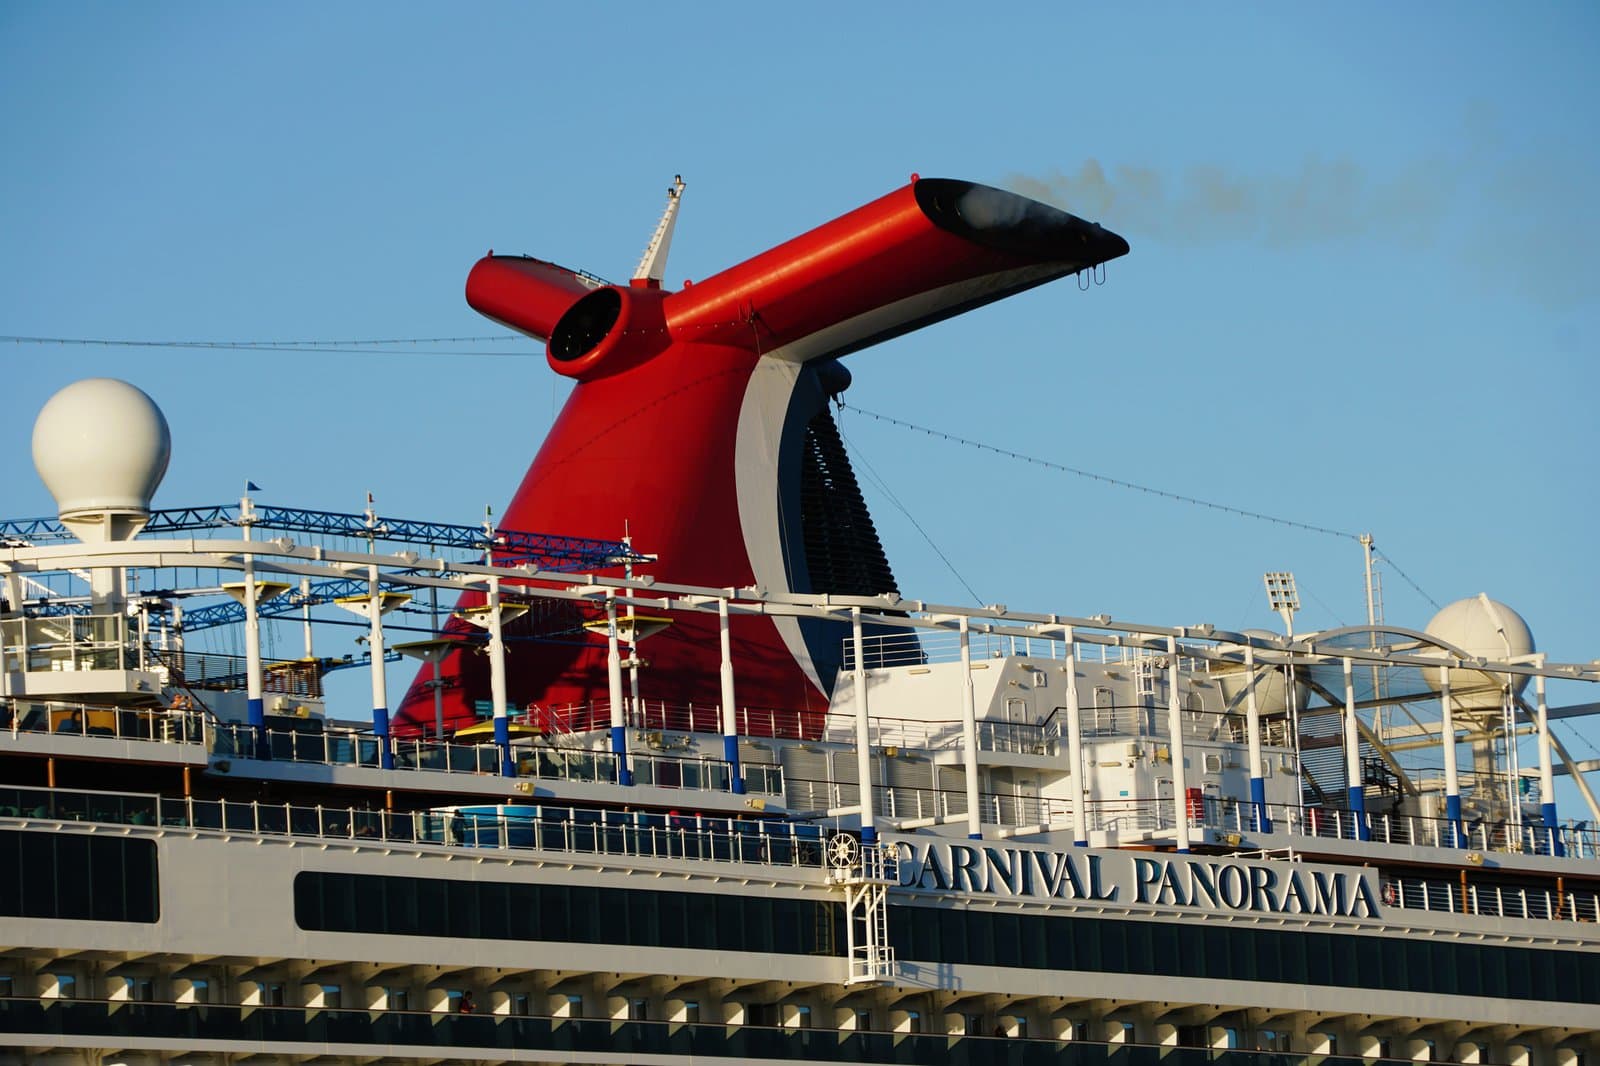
{"type": "Point", "coordinates": [713, 789]}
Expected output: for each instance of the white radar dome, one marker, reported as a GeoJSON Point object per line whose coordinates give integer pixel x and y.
{"type": "Point", "coordinates": [1272, 690]}
{"type": "Point", "coordinates": [1482, 628]}
{"type": "Point", "coordinates": [101, 447]}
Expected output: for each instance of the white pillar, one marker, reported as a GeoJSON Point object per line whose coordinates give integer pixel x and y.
{"type": "Point", "coordinates": [497, 680]}
{"type": "Point", "coordinates": [1547, 787]}
{"type": "Point", "coordinates": [635, 707]}
{"type": "Point", "coordinates": [619, 732]}
{"type": "Point", "coordinates": [1452, 777]}
{"type": "Point", "coordinates": [730, 717]}
{"type": "Point", "coordinates": [255, 704]}
{"type": "Point", "coordinates": [305, 616]}
{"type": "Point", "coordinates": [1180, 780]}
{"type": "Point", "coordinates": [969, 734]}
{"type": "Point", "coordinates": [380, 689]}
{"type": "Point", "coordinates": [869, 829]}
{"type": "Point", "coordinates": [1356, 795]}
{"type": "Point", "coordinates": [1258, 783]}
{"type": "Point", "coordinates": [1080, 783]}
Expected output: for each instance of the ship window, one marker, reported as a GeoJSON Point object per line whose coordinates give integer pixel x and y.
{"type": "Point", "coordinates": [1112, 956]}
{"type": "Point", "coordinates": [643, 920]}
{"type": "Point", "coordinates": [802, 1016]}
{"type": "Point", "coordinates": [199, 990]}
{"type": "Point", "coordinates": [66, 985]}
{"type": "Point", "coordinates": [574, 1006]}
{"type": "Point", "coordinates": [73, 877]}
{"type": "Point", "coordinates": [397, 999]}
{"type": "Point", "coordinates": [332, 997]}
{"type": "Point", "coordinates": [1004, 944]}
{"type": "Point", "coordinates": [691, 1011]}
{"type": "Point", "coordinates": [638, 1010]}
{"type": "Point", "coordinates": [7, 986]}
{"type": "Point", "coordinates": [272, 993]}
{"type": "Point", "coordinates": [463, 907]}
{"type": "Point", "coordinates": [863, 1019]}
{"type": "Point", "coordinates": [972, 1024]}
{"type": "Point", "coordinates": [913, 1021]}
{"type": "Point", "coordinates": [758, 924]}
{"type": "Point", "coordinates": [1299, 957]}
{"type": "Point", "coordinates": [950, 933]}
{"type": "Point", "coordinates": [585, 913]}
{"type": "Point", "coordinates": [519, 1004]}
{"type": "Point", "coordinates": [672, 910]}
{"type": "Point", "coordinates": [1369, 962]}
{"type": "Point", "coordinates": [493, 903]}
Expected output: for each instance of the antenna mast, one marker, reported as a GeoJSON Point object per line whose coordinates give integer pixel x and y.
{"type": "Point", "coordinates": [653, 266]}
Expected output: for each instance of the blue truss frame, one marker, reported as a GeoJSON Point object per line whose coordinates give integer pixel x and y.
{"type": "Point", "coordinates": [510, 547]}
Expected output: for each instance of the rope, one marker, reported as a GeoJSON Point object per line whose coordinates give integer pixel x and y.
{"type": "Point", "coordinates": [352, 347]}
{"type": "Point", "coordinates": [1090, 475]}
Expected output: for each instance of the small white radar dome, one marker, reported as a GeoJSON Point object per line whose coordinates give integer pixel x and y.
{"type": "Point", "coordinates": [1482, 628]}
{"type": "Point", "coordinates": [1271, 688]}
{"type": "Point", "coordinates": [101, 447]}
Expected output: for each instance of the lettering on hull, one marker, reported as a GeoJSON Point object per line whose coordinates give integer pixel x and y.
{"type": "Point", "coordinates": [1179, 882]}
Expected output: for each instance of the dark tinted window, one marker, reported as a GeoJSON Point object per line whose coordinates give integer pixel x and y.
{"type": "Point", "coordinates": [68, 876]}
{"type": "Point", "coordinates": [407, 906]}
{"type": "Point", "coordinates": [1103, 945]}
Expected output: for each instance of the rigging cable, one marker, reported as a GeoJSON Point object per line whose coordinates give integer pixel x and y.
{"type": "Point", "coordinates": [888, 493]}
{"type": "Point", "coordinates": [348, 347]}
{"type": "Point", "coordinates": [1119, 483]}
{"type": "Point", "coordinates": [1109, 480]}
{"type": "Point", "coordinates": [1406, 578]}
{"type": "Point", "coordinates": [385, 346]}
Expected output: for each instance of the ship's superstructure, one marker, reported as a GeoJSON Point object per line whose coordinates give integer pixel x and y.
{"type": "Point", "coordinates": [1081, 839]}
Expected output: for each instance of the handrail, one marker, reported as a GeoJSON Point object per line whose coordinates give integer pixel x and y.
{"type": "Point", "coordinates": [69, 718]}
{"type": "Point", "coordinates": [545, 827]}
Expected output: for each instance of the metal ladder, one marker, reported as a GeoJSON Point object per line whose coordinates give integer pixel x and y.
{"type": "Point", "coordinates": [865, 874]}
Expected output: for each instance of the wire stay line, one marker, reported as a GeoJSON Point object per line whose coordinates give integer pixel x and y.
{"type": "Point", "coordinates": [1092, 476]}
{"type": "Point", "coordinates": [384, 346]}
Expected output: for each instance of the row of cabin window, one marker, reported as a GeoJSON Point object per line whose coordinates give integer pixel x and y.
{"type": "Point", "coordinates": [75, 877]}
{"type": "Point", "coordinates": [397, 998]}
{"type": "Point", "coordinates": [64, 985]}
{"type": "Point", "coordinates": [1213, 952]}
{"type": "Point", "coordinates": [410, 906]}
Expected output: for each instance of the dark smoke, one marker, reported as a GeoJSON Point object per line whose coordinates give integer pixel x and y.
{"type": "Point", "coordinates": [1324, 200]}
{"type": "Point", "coordinates": [1521, 224]}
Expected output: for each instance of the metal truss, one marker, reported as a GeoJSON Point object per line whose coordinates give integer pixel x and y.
{"type": "Point", "coordinates": [510, 547]}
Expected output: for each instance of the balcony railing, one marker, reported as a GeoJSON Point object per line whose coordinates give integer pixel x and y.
{"type": "Point", "coordinates": [162, 725]}
{"type": "Point", "coordinates": [528, 827]}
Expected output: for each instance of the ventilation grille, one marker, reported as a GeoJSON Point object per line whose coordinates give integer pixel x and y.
{"type": "Point", "coordinates": [843, 554]}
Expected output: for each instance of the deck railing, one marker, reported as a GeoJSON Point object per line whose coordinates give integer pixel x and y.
{"type": "Point", "coordinates": [162, 725]}
{"type": "Point", "coordinates": [530, 827]}
{"type": "Point", "coordinates": [347, 747]}
{"type": "Point", "coordinates": [638, 834]}
{"type": "Point", "coordinates": [569, 763]}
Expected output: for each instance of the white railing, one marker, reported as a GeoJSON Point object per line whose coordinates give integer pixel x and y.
{"type": "Point", "coordinates": [59, 718]}
{"type": "Point", "coordinates": [536, 827]}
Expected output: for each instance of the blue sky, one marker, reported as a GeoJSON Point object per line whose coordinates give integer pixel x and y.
{"type": "Point", "coordinates": [1361, 292]}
